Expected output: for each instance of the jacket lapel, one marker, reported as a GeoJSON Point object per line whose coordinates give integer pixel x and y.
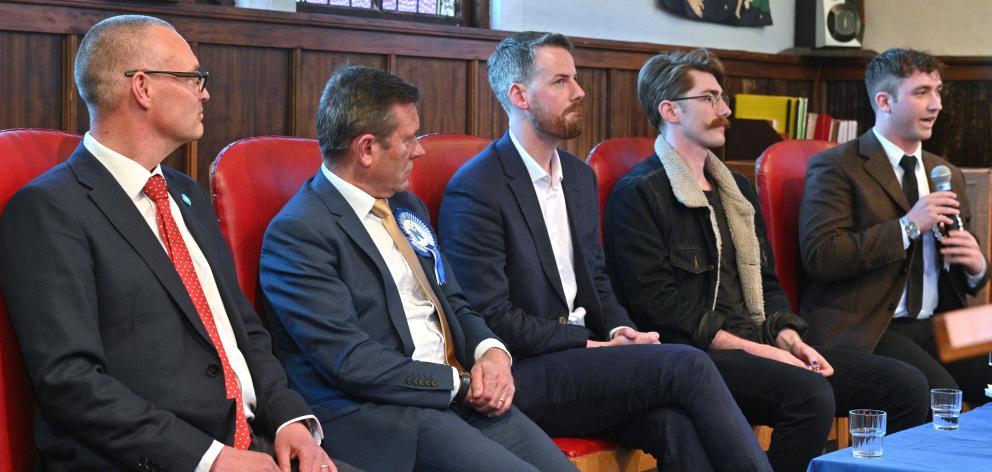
{"type": "Point", "coordinates": [344, 216]}
{"type": "Point", "coordinates": [878, 166]}
{"type": "Point", "coordinates": [108, 196]}
{"type": "Point", "coordinates": [523, 191]}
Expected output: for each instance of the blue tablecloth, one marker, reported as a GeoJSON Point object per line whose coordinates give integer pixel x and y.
{"type": "Point", "coordinates": [924, 449]}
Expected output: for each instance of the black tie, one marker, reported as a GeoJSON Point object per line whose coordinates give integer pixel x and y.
{"type": "Point", "coordinates": [914, 283]}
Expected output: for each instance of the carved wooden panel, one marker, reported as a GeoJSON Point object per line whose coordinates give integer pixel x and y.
{"type": "Point", "coordinates": [30, 80]}
{"type": "Point", "coordinates": [443, 85]}
{"type": "Point", "coordinates": [315, 68]}
{"type": "Point", "coordinates": [249, 96]}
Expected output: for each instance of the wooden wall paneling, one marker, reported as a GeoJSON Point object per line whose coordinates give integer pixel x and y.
{"type": "Point", "coordinates": [314, 70]}
{"type": "Point", "coordinates": [848, 100]}
{"type": "Point", "coordinates": [492, 118]}
{"type": "Point", "coordinates": [963, 132]}
{"type": "Point", "coordinates": [472, 97]}
{"type": "Point", "coordinates": [249, 96]}
{"type": "Point", "coordinates": [595, 111]}
{"type": "Point", "coordinates": [443, 85]}
{"type": "Point", "coordinates": [70, 107]}
{"type": "Point", "coordinates": [626, 114]}
{"type": "Point", "coordinates": [31, 80]}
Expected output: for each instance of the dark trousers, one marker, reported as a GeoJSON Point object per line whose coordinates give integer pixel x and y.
{"type": "Point", "coordinates": [264, 445]}
{"type": "Point", "coordinates": [912, 341]}
{"type": "Point", "coordinates": [800, 404]}
{"type": "Point", "coordinates": [666, 399]}
{"type": "Point", "coordinates": [457, 439]}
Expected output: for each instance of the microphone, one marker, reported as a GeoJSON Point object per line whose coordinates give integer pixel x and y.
{"type": "Point", "coordinates": [941, 177]}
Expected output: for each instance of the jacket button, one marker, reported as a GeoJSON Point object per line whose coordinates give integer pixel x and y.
{"type": "Point", "coordinates": [433, 383]}
{"type": "Point", "coordinates": [409, 381]}
{"type": "Point", "coordinates": [563, 319]}
{"type": "Point", "coordinates": [213, 370]}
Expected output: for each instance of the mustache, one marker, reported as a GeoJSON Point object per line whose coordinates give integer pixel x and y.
{"type": "Point", "coordinates": [718, 122]}
{"type": "Point", "coordinates": [576, 107]}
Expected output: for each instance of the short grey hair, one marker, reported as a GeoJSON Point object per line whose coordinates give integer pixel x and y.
{"type": "Point", "coordinates": [110, 48]}
{"type": "Point", "coordinates": [357, 100]}
{"type": "Point", "coordinates": [513, 61]}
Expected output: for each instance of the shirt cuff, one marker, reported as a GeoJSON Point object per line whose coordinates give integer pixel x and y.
{"type": "Point", "coordinates": [310, 422]}
{"type": "Point", "coordinates": [207, 461]}
{"type": "Point", "coordinates": [974, 280]}
{"type": "Point", "coordinates": [488, 344]}
{"type": "Point", "coordinates": [456, 382]}
{"type": "Point", "coordinates": [905, 237]}
{"type": "Point", "coordinates": [613, 331]}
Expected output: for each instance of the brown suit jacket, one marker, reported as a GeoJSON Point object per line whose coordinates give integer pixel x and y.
{"type": "Point", "coordinates": [851, 244]}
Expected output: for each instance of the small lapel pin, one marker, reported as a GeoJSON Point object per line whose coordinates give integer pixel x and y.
{"type": "Point", "coordinates": [186, 199]}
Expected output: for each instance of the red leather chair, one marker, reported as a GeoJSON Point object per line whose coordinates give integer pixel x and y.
{"type": "Point", "coordinates": [251, 180]}
{"type": "Point", "coordinates": [24, 154]}
{"type": "Point", "coordinates": [612, 159]}
{"type": "Point", "coordinates": [781, 177]}
{"type": "Point", "coordinates": [446, 152]}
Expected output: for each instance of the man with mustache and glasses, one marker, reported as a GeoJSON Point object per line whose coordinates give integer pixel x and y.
{"type": "Point", "coordinates": [688, 254]}
{"type": "Point", "coordinates": [520, 223]}
{"type": "Point", "coordinates": [877, 269]}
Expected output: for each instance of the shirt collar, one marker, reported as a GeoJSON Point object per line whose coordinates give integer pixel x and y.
{"type": "Point", "coordinates": [536, 172]}
{"type": "Point", "coordinates": [130, 175]}
{"type": "Point", "coordinates": [894, 153]}
{"type": "Point", "coordinates": [360, 201]}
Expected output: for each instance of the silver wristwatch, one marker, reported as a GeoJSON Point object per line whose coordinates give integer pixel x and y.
{"type": "Point", "coordinates": [910, 227]}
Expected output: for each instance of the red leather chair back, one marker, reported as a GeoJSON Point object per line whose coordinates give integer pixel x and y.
{"type": "Point", "coordinates": [446, 152]}
{"type": "Point", "coordinates": [251, 180]}
{"type": "Point", "coordinates": [24, 155]}
{"type": "Point", "coordinates": [781, 177]}
{"type": "Point", "coordinates": [612, 159]}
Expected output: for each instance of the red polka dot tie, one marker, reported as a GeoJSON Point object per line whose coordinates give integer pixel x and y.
{"type": "Point", "coordinates": [157, 191]}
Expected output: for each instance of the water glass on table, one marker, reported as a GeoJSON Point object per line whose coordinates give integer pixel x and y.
{"type": "Point", "coordinates": [946, 406]}
{"type": "Point", "coordinates": [867, 429]}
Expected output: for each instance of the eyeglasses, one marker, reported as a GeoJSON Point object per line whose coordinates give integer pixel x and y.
{"type": "Point", "coordinates": [201, 77]}
{"type": "Point", "coordinates": [713, 99]}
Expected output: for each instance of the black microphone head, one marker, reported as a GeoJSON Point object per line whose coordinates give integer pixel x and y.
{"type": "Point", "coordinates": [941, 177]}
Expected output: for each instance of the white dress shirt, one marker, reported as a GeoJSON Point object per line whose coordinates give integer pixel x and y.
{"type": "Point", "coordinates": [931, 272]}
{"type": "Point", "coordinates": [551, 197]}
{"type": "Point", "coordinates": [421, 316]}
{"type": "Point", "coordinates": [132, 178]}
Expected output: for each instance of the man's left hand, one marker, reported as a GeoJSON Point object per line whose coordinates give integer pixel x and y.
{"type": "Point", "coordinates": [960, 248]}
{"type": "Point", "coordinates": [491, 391]}
{"type": "Point", "coordinates": [789, 340]}
{"type": "Point", "coordinates": [627, 335]}
{"type": "Point", "coordinates": [295, 441]}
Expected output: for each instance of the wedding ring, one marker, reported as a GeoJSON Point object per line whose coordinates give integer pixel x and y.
{"type": "Point", "coordinates": [502, 401]}
{"type": "Point", "coordinates": [324, 466]}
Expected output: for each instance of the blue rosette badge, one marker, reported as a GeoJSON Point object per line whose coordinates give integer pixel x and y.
{"type": "Point", "coordinates": [422, 238]}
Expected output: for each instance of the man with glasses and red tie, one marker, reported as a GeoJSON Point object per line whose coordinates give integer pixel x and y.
{"type": "Point", "coordinates": [687, 249]}
{"type": "Point", "coordinates": [142, 350]}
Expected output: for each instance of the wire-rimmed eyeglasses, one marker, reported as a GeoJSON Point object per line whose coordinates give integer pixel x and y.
{"type": "Point", "coordinates": [714, 99]}
{"type": "Point", "coordinates": [201, 77]}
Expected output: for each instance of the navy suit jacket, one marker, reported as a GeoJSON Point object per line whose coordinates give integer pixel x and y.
{"type": "Point", "coordinates": [124, 372]}
{"type": "Point", "coordinates": [493, 231]}
{"type": "Point", "coordinates": [340, 329]}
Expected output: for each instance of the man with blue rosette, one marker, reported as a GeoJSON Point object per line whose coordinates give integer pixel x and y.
{"type": "Point", "coordinates": [371, 327]}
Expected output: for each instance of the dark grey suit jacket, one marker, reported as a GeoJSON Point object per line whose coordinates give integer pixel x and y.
{"type": "Point", "coordinates": [341, 332]}
{"type": "Point", "coordinates": [125, 374]}
{"type": "Point", "coordinates": [851, 243]}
